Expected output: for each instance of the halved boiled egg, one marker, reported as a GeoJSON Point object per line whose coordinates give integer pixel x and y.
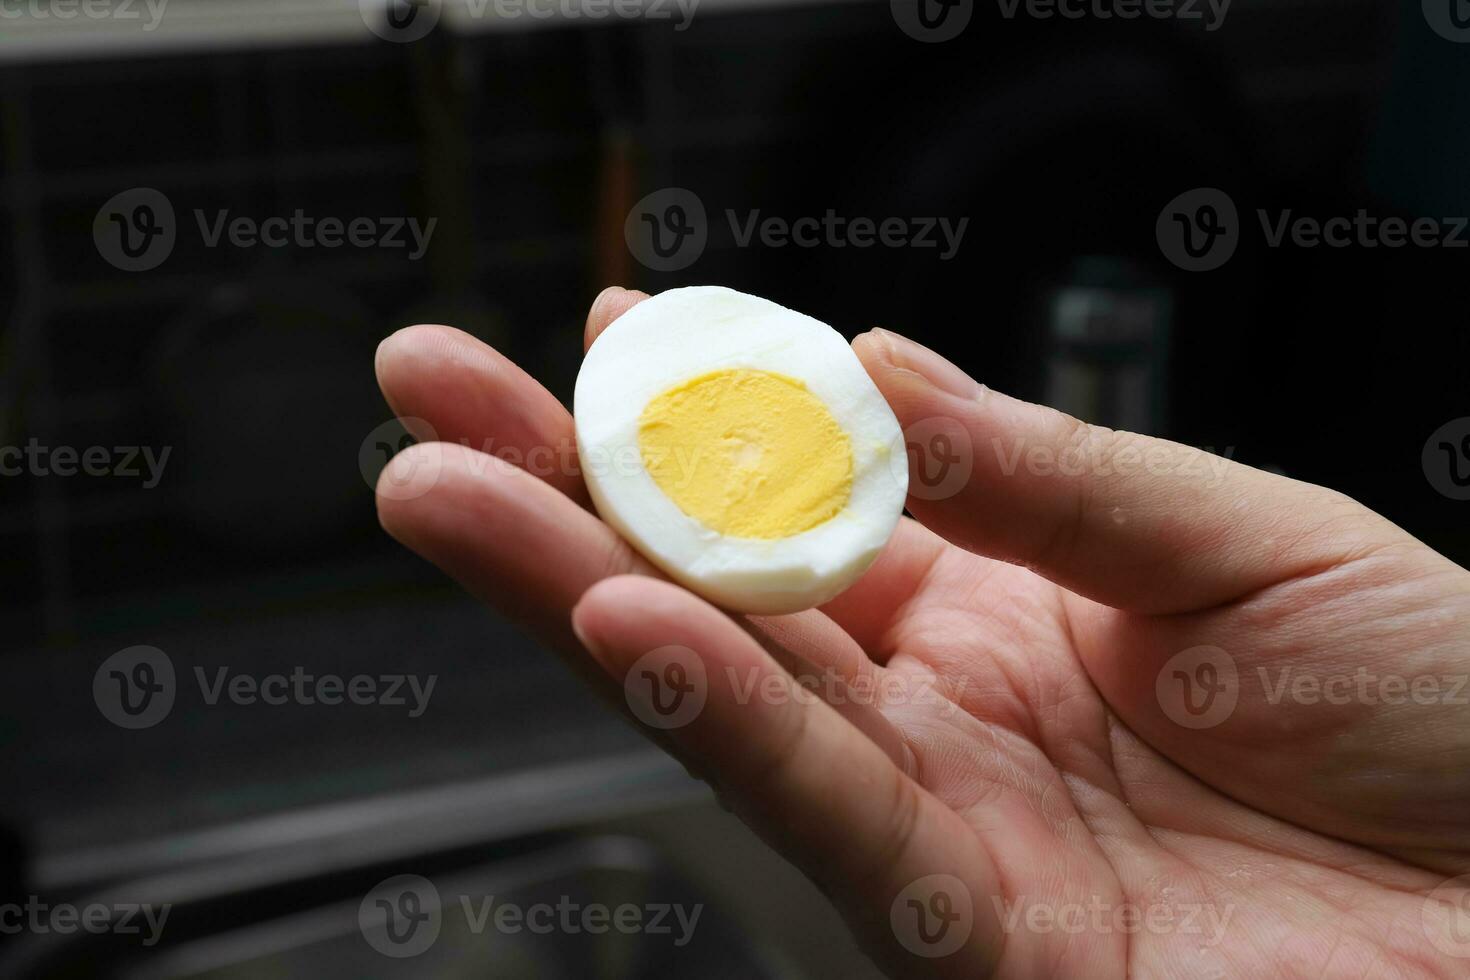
{"type": "Point", "coordinates": [740, 447]}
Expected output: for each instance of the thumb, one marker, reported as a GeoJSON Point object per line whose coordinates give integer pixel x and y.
{"type": "Point", "coordinates": [1135, 522]}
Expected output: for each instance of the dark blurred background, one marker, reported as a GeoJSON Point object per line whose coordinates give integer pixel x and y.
{"type": "Point", "coordinates": [532, 143]}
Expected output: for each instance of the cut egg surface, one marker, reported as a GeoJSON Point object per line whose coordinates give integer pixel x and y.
{"type": "Point", "coordinates": [740, 447]}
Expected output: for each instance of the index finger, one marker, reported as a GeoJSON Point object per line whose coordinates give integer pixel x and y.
{"type": "Point", "coordinates": [610, 304]}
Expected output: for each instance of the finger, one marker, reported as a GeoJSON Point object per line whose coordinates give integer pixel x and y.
{"type": "Point", "coordinates": [1131, 521]}
{"type": "Point", "coordinates": [610, 304]}
{"type": "Point", "coordinates": [507, 537]}
{"type": "Point", "coordinates": [821, 656]}
{"type": "Point", "coordinates": [529, 552]}
{"type": "Point", "coordinates": [473, 395]}
{"type": "Point", "coordinates": [873, 604]}
{"type": "Point", "coordinates": [801, 776]}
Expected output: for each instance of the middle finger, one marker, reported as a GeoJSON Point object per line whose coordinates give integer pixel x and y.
{"type": "Point", "coordinates": [473, 395]}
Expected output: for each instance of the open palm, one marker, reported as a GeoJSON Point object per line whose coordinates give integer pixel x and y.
{"type": "Point", "coordinates": [1114, 708]}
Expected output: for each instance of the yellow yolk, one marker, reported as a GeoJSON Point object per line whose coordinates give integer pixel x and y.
{"type": "Point", "coordinates": [749, 454]}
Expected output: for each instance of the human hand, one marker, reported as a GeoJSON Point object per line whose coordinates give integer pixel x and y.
{"type": "Point", "coordinates": [1071, 735]}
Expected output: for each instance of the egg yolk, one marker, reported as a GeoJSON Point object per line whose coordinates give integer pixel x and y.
{"type": "Point", "coordinates": [749, 454]}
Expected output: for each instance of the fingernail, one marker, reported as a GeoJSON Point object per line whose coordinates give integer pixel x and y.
{"type": "Point", "coordinates": [937, 370]}
{"type": "Point", "coordinates": [607, 294]}
{"type": "Point", "coordinates": [378, 354]}
{"type": "Point", "coordinates": [581, 636]}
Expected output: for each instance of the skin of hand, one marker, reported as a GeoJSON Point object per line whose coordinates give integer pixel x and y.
{"type": "Point", "coordinates": [1150, 714]}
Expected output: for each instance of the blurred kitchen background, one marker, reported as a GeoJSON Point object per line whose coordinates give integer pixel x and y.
{"type": "Point", "coordinates": [530, 140]}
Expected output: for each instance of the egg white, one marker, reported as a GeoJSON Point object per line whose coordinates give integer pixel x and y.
{"type": "Point", "coordinates": [682, 334]}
